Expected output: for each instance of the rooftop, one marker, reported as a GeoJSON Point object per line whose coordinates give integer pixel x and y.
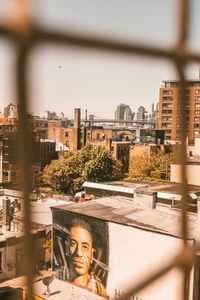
{"type": "Point", "coordinates": [154, 186]}
{"type": "Point", "coordinates": [125, 211]}
{"type": "Point", "coordinates": [59, 289]}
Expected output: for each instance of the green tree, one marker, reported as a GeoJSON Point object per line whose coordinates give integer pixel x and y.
{"type": "Point", "coordinates": [59, 175]}
{"type": "Point", "coordinates": [142, 165]}
{"type": "Point", "coordinates": [91, 163]}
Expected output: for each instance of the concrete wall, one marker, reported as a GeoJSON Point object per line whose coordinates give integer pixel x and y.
{"type": "Point", "coordinates": [133, 254]}
{"type": "Point", "coordinates": [8, 261]}
{"type": "Point", "coordinates": [141, 149]}
{"type": "Point", "coordinates": [13, 254]}
{"type": "Point", "coordinates": [192, 173]}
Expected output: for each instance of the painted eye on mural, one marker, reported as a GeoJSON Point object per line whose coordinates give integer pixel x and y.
{"type": "Point", "coordinates": [85, 247]}
{"type": "Point", "coordinates": [72, 244]}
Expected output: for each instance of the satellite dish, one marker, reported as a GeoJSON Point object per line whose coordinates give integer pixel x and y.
{"type": "Point", "coordinates": [46, 281]}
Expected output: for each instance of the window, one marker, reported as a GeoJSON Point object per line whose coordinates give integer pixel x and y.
{"type": "Point", "coordinates": [167, 112]}
{"type": "Point", "coordinates": [166, 125]}
{"type": "Point", "coordinates": [197, 92]}
{"type": "Point", "coordinates": [197, 105]}
{"type": "Point", "coordinates": [197, 112]}
{"type": "Point", "coordinates": [66, 134]}
{"type": "Point", "coordinates": [166, 118]}
{"type": "Point", "coordinates": [196, 125]}
{"type": "Point", "coordinates": [167, 105]}
{"type": "Point", "coordinates": [167, 98]}
{"type": "Point", "coordinates": [197, 98]}
{"type": "Point", "coordinates": [98, 135]}
{"type": "Point", "coordinates": [196, 119]}
{"type": "Point", "coordinates": [197, 133]}
{"type": "Point", "coordinates": [167, 92]}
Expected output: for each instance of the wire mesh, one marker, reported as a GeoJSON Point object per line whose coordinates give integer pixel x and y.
{"type": "Point", "coordinates": [26, 36]}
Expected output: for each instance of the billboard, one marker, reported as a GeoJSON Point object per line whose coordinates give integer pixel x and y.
{"type": "Point", "coordinates": [106, 257]}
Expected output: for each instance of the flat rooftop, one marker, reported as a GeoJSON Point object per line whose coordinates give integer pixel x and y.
{"type": "Point", "coordinates": [154, 186]}
{"type": "Point", "coordinates": [124, 211]}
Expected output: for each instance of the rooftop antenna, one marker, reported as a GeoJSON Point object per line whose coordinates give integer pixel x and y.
{"type": "Point", "coordinates": [46, 281]}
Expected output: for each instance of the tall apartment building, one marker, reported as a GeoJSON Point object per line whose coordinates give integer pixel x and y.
{"type": "Point", "coordinates": [169, 109]}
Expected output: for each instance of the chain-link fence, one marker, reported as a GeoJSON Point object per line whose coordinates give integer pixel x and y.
{"type": "Point", "coordinates": [26, 36]}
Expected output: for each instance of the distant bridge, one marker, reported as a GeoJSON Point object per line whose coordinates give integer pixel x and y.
{"type": "Point", "coordinates": [141, 122]}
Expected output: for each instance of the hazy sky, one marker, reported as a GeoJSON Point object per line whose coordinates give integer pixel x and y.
{"type": "Point", "coordinates": [98, 81]}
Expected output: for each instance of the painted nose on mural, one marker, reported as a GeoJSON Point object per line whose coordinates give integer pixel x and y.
{"type": "Point", "coordinates": [79, 250]}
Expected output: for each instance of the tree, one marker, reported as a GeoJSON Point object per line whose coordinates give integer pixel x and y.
{"type": "Point", "coordinates": [91, 163]}
{"type": "Point", "coordinates": [142, 165]}
{"type": "Point", "coordinates": [59, 175]}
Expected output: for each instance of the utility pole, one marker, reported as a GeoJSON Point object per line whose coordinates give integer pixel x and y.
{"type": "Point", "coordinates": [166, 169]}
{"type": "Point", "coordinates": [84, 130]}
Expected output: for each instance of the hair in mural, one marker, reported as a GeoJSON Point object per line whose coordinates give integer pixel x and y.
{"type": "Point", "coordinates": [80, 250]}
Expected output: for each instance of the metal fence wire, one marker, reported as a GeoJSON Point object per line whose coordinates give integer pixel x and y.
{"type": "Point", "coordinates": [25, 35]}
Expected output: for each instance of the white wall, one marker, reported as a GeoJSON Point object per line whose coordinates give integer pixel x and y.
{"type": "Point", "coordinates": [192, 173]}
{"type": "Point", "coordinates": [134, 253]}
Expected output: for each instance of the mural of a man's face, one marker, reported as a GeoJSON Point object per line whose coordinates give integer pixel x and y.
{"type": "Point", "coordinates": [81, 250]}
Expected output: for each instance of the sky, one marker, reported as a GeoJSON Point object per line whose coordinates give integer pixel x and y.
{"type": "Point", "coordinates": [62, 78]}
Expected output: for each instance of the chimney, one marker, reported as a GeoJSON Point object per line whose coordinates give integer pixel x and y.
{"type": "Point", "coordinates": [108, 143]}
{"type": "Point", "coordinates": [6, 215]}
{"type": "Point", "coordinates": [77, 129]}
{"type": "Point", "coordinates": [145, 198]}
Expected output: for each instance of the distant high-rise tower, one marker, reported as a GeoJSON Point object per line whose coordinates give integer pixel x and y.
{"type": "Point", "coordinates": [140, 114]}
{"type": "Point", "coordinates": [152, 108]}
{"type": "Point", "coordinates": [123, 112]}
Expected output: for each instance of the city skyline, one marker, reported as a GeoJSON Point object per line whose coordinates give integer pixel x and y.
{"type": "Point", "coordinates": [64, 78]}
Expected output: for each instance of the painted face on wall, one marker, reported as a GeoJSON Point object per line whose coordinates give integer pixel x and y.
{"type": "Point", "coordinates": [81, 250]}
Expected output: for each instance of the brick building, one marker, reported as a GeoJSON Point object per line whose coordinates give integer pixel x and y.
{"type": "Point", "coordinates": [169, 109]}
{"type": "Point", "coordinates": [42, 153]}
{"type": "Point", "coordinates": [120, 150]}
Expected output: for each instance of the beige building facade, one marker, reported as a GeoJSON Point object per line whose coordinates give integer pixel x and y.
{"type": "Point", "coordinates": [192, 173]}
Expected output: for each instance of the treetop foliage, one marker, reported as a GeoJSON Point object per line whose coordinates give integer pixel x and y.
{"type": "Point", "coordinates": [92, 163]}
{"type": "Point", "coordinates": [142, 165]}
